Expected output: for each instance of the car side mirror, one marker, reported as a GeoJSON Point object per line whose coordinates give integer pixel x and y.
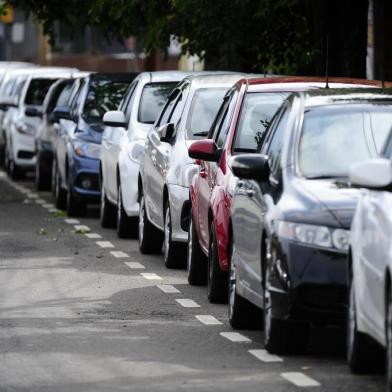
{"type": "Point", "coordinates": [33, 112]}
{"type": "Point", "coordinates": [166, 133]}
{"type": "Point", "coordinates": [204, 150]}
{"type": "Point", "coordinates": [372, 174]}
{"type": "Point", "coordinates": [115, 118]}
{"type": "Point", "coordinates": [251, 166]}
{"type": "Point", "coordinates": [62, 112]}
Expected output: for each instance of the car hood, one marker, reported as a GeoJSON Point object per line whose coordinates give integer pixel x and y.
{"type": "Point", "coordinates": [336, 196]}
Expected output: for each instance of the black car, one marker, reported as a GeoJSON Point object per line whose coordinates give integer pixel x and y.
{"type": "Point", "coordinates": [77, 144]}
{"type": "Point", "coordinates": [292, 208]}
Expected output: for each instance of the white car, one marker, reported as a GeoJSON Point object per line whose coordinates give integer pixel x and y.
{"type": "Point", "coordinates": [21, 130]}
{"type": "Point", "coordinates": [123, 145]}
{"type": "Point", "coordinates": [369, 326]}
{"type": "Point", "coordinates": [166, 170]}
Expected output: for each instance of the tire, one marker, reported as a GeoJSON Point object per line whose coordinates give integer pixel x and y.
{"type": "Point", "coordinates": [217, 281]}
{"type": "Point", "coordinates": [60, 194]}
{"type": "Point", "coordinates": [174, 253]}
{"type": "Point", "coordinates": [388, 333]}
{"type": "Point", "coordinates": [2, 155]}
{"type": "Point", "coordinates": [14, 171]}
{"type": "Point", "coordinates": [127, 227]}
{"type": "Point", "coordinates": [108, 211]}
{"type": "Point", "coordinates": [363, 354]}
{"type": "Point", "coordinates": [242, 314]}
{"type": "Point", "coordinates": [196, 259]}
{"type": "Point", "coordinates": [282, 336]}
{"type": "Point", "coordinates": [150, 238]}
{"type": "Point", "coordinates": [75, 207]}
{"type": "Point", "coordinates": [43, 179]}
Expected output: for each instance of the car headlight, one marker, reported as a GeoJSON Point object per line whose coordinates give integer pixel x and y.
{"type": "Point", "coordinates": [135, 152]}
{"type": "Point", "coordinates": [320, 236]}
{"type": "Point", "coordinates": [87, 150]}
{"type": "Point", "coordinates": [24, 128]}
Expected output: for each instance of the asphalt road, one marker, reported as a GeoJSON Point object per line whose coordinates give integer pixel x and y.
{"type": "Point", "coordinates": [78, 316]}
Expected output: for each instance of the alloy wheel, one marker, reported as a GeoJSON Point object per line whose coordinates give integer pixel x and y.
{"type": "Point", "coordinates": [190, 244]}
{"type": "Point", "coordinates": [166, 242]}
{"type": "Point", "coordinates": [119, 205]}
{"type": "Point", "coordinates": [141, 219]}
{"type": "Point", "coordinates": [232, 287]}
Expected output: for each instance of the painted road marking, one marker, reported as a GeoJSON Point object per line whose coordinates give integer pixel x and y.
{"type": "Point", "coordinates": [300, 379]}
{"type": "Point", "coordinates": [235, 337]}
{"type": "Point", "coordinates": [40, 201]}
{"type": "Point", "coordinates": [105, 244]}
{"type": "Point", "coordinates": [53, 210]}
{"type": "Point", "coordinates": [32, 196]}
{"type": "Point", "coordinates": [168, 288]}
{"type": "Point", "coordinates": [188, 303]}
{"type": "Point", "coordinates": [81, 227]}
{"type": "Point", "coordinates": [265, 356]}
{"type": "Point", "coordinates": [208, 320]}
{"type": "Point", "coordinates": [134, 265]}
{"type": "Point", "coordinates": [119, 254]}
{"type": "Point", "coordinates": [150, 276]}
{"type": "Point", "coordinates": [71, 221]}
{"type": "Point", "coordinates": [93, 235]}
{"type": "Point", "coordinates": [48, 205]}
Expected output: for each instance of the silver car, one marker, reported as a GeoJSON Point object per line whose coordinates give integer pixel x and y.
{"type": "Point", "coordinates": [166, 169]}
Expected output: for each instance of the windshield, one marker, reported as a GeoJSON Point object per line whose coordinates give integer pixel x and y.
{"type": "Point", "coordinates": [103, 96]}
{"type": "Point", "coordinates": [204, 107]}
{"type": "Point", "coordinates": [37, 91]}
{"type": "Point", "coordinates": [334, 138]}
{"type": "Point", "coordinates": [256, 114]}
{"type": "Point", "coordinates": [153, 97]}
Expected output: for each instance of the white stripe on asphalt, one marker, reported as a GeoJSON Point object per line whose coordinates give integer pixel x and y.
{"type": "Point", "coordinates": [168, 288]}
{"type": "Point", "coordinates": [71, 221]}
{"type": "Point", "coordinates": [81, 227]}
{"type": "Point", "coordinates": [119, 254]}
{"type": "Point", "coordinates": [32, 196]}
{"type": "Point", "coordinates": [235, 337]}
{"type": "Point", "coordinates": [93, 235]}
{"type": "Point", "coordinates": [40, 201]}
{"type": "Point", "coordinates": [105, 244]}
{"type": "Point", "coordinates": [53, 210]}
{"type": "Point", "coordinates": [300, 379]}
{"type": "Point", "coordinates": [188, 303]}
{"type": "Point", "coordinates": [265, 356]}
{"type": "Point", "coordinates": [48, 205]}
{"type": "Point", "coordinates": [150, 276]}
{"type": "Point", "coordinates": [208, 320]}
{"type": "Point", "coordinates": [134, 265]}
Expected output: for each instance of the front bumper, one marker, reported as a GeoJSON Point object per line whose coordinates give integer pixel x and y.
{"type": "Point", "coordinates": [179, 202]}
{"type": "Point", "coordinates": [308, 284]}
{"type": "Point", "coordinates": [23, 150]}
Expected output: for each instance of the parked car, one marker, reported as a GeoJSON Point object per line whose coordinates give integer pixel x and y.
{"type": "Point", "coordinates": [57, 95]}
{"type": "Point", "coordinates": [292, 210]}
{"type": "Point", "coordinates": [239, 127]}
{"type": "Point", "coordinates": [123, 145]}
{"type": "Point", "coordinates": [77, 145]}
{"type": "Point", "coordinates": [369, 326]}
{"type": "Point", "coordinates": [20, 132]}
{"type": "Point", "coordinates": [166, 170]}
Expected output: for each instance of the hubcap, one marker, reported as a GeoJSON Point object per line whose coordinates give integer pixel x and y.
{"type": "Point", "coordinates": [141, 219]}
{"type": "Point", "coordinates": [167, 233]}
{"type": "Point", "coordinates": [119, 205]}
{"type": "Point", "coordinates": [190, 242]}
{"type": "Point", "coordinates": [232, 287]}
{"type": "Point", "coordinates": [267, 296]}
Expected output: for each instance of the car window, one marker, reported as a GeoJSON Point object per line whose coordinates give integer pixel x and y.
{"type": "Point", "coordinates": [256, 114]}
{"type": "Point", "coordinates": [127, 101]}
{"type": "Point", "coordinates": [75, 97]}
{"type": "Point", "coordinates": [59, 96]}
{"type": "Point", "coordinates": [388, 147]}
{"type": "Point", "coordinates": [204, 107]}
{"type": "Point", "coordinates": [178, 108]}
{"type": "Point", "coordinates": [154, 96]}
{"type": "Point", "coordinates": [37, 90]}
{"type": "Point", "coordinates": [168, 109]}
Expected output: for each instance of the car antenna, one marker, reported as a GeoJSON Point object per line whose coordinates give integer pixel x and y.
{"type": "Point", "coordinates": [327, 64]}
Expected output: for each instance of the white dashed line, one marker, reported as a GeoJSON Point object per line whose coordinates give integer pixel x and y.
{"type": "Point", "coordinates": [71, 221]}
{"type": "Point", "coordinates": [32, 196]}
{"type": "Point", "coordinates": [93, 235]}
{"type": "Point", "coordinates": [53, 210]}
{"type": "Point", "coordinates": [150, 276]}
{"type": "Point", "coordinates": [105, 244]}
{"type": "Point", "coordinates": [300, 379]}
{"type": "Point", "coordinates": [208, 320]}
{"type": "Point", "coordinates": [119, 254]}
{"type": "Point", "coordinates": [134, 265]}
{"type": "Point", "coordinates": [265, 356]}
{"type": "Point", "coordinates": [40, 201]}
{"type": "Point", "coordinates": [188, 303]}
{"type": "Point", "coordinates": [48, 205]}
{"type": "Point", "coordinates": [81, 227]}
{"type": "Point", "coordinates": [168, 288]}
{"type": "Point", "coordinates": [235, 337]}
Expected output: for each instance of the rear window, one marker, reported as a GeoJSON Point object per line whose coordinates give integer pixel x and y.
{"type": "Point", "coordinates": [153, 97]}
{"type": "Point", "coordinates": [37, 91]}
{"type": "Point", "coordinates": [204, 107]}
{"type": "Point", "coordinates": [103, 96]}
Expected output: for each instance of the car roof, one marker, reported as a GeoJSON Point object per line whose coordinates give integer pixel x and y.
{"type": "Point", "coordinates": [120, 76]}
{"type": "Point", "coordinates": [214, 79]}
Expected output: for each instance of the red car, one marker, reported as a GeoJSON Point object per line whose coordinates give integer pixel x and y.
{"type": "Point", "coordinates": [239, 126]}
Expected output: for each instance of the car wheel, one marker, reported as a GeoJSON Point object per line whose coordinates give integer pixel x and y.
{"type": "Point", "coordinates": [75, 207]}
{"type": "Point", "coordinates": [196, 259]}
{"type": "Point", "coordinates": [107, 211]}
{"type": "Point", "coordinates": [217, 279]}
{"type": "Point", "coordinates": [127, 227]}
{"type": "Point", "coordinates": [15, 171]}
{"type": "Point", "coordinates": [174, 253]}
{"type": "Point", "coordinates": [388, 333]}
{"type": "Point", "coordinates": [2, 154]}
{"type": "Point", "coordinates": [43, 178]}
{"type": "Point", "coordinates": [150, 238]}
{"type": "Point", "coordinates": [242, 314]}
{"type": "Point", "coordinates": [363, 354]}
{"type": "Point", "coordinates": [60, 194]}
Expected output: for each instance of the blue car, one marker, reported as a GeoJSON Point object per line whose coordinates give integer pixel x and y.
{"type": "Point", "coordinates": [77, 143]}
